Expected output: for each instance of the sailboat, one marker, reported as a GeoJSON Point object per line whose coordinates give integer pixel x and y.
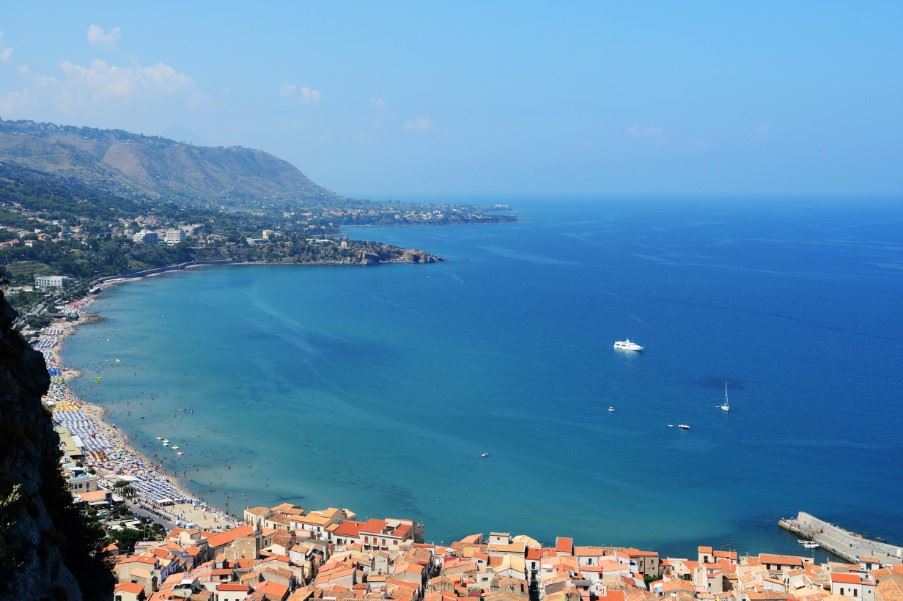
{"type": "Point", "coordinates": [726, 405]}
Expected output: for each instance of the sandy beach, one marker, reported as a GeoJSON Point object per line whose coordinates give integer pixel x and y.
{"type": "Point", "coordinates": [106, 448]}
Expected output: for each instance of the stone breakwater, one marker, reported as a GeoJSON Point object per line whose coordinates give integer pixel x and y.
{"type": "Point", "coordinates": [840, 542]}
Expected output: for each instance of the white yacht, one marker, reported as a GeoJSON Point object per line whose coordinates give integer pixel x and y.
{"type": "Point", "coordinates": [611, 408]}
{"type": "Point", "coordinates": [683, 426]}
{"type": "Point", "coordinates": [627, 345]}
{"type": "Point", "coordinates": [726, 405]}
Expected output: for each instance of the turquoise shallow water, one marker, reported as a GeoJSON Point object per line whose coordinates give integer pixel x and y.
{"type": "Point", "coordinates": [379, 388]}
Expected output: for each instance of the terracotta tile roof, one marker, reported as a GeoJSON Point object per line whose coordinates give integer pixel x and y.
{"type": "Point", "coordinates": [846, 578]}
{"type": "Point", "coordinates": [279, 558]}
{"type": "Point", "coordinates": [348, 528]}
{"type": "Point", "coordinates": [334, 575]}
{"type": "Point", "coordinates": [780, 559]}
{"type": "Point", "coordinates": [613, 596]}
{"type": "Point", "coordinates": [537, 554]}
{"type": "Point", "coordinates": [137, 559]}
{"type": "Point", "coordinates": [891, 588]}
{"type": "Point", "coordinates": [373, 526]}
{"type": "Point", "coordinates": [220, 539]}
{"type": "Point", "coordinates": [404, 583]}
{"type": "Point", "coordinates": [232, 586]}
{"type": "Point", "coordinates": [129, 587]}
{"type": "Point", "coordinates": [273, 590]}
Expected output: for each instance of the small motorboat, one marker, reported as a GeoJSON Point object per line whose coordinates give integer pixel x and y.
{"type": "Point", "coordinates": [484, 454]}
{"type": "Point", "coordinates": [627, 345]}
{"type": "Point", "coordinates": [611, 408]}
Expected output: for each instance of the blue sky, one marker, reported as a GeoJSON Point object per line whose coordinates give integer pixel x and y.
{"type": "Point", "coordinates": [459, 100]}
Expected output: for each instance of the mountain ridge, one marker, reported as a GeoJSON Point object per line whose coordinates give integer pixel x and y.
{"type": "Point", "coordinates": [154, 167]}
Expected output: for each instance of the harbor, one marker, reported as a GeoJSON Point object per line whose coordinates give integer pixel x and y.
{"type": "Point", "coordinates": [843, 543]}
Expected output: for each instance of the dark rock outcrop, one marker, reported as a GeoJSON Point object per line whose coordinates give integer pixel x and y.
{"type": "Point", "coordinates": [415, 255]}
{"type": "Point", "coordinates": [46, 550]}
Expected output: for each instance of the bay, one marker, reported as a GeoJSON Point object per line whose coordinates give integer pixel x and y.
{"type": "Point", "coordinates": [379, 388]}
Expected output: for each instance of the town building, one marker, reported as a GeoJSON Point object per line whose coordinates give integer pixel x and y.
{"type": "Point", "coordinates": [50, 281]}
{"type": "Point", "coordinates": [174, 236]}
{"type": "Point", "coordinates": [146, 237]}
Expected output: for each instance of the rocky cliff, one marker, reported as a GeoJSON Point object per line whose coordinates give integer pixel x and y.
{"type": "Point", "coordinates": [46, 551]}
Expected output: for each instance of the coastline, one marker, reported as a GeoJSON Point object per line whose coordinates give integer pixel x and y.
{"type": "Point", "coordinates": [60, 400]}
{"type": "Point", "coordinates": [151, 449]}
{"type": "Point", "coordinates": [196, 510]}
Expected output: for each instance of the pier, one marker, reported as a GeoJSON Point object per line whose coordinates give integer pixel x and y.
{"type": "Point", "coordinates": [840, 542]}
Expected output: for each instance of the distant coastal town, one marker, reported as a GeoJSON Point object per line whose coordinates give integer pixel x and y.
{"type": "Point", "coordinates": [59, 240]}
{"type": "Point", "coordinates": [168, 544]}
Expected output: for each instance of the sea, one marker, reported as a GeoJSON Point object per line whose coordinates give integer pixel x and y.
{"type": "Point", "coordinates": [381, 388]}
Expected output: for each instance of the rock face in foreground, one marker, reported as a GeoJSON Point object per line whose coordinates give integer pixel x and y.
{"type": "Point", "coordinates": [46, 551]}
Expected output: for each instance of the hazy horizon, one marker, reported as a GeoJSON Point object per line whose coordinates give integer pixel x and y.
{"type": "Point", "coordinates": [445, 101]}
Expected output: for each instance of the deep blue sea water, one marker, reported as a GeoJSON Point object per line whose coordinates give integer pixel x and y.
{"type": "Point", "coordinates": [379, 388]}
